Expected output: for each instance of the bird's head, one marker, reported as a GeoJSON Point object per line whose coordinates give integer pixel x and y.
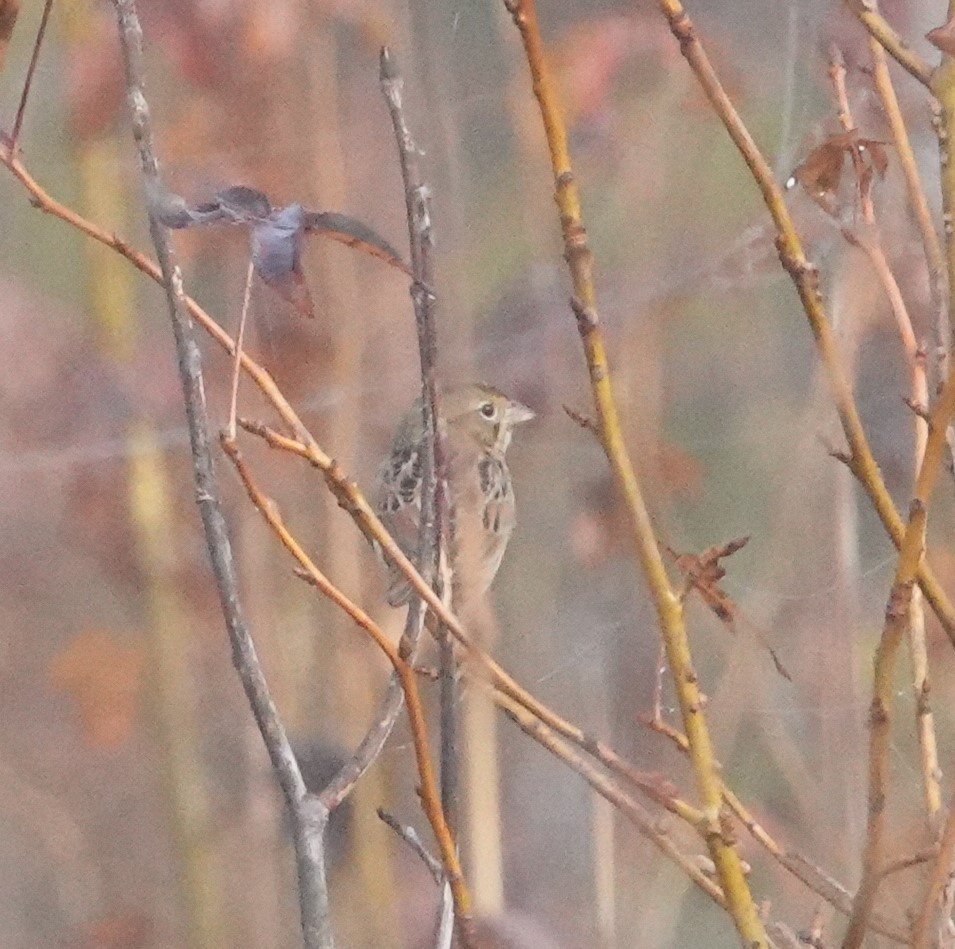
{"type": "Point", "coordinates": [484, 414]}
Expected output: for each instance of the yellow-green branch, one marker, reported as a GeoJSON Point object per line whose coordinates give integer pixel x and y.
{"type": "Point", "coordinates": [668, 605]}
{"type": "Point", "coordinates": [880, 29]}
{"type": "Point", "coordinates": [806, 280]}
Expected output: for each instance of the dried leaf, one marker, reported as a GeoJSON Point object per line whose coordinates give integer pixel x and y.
{"type": "Point", "coordinates": [351, 232]}
{"type": "Point", "coordinates": [275, 234]}
{"type": "Point", "coordinates": [102, 672]}
{"type": "Point", "coordinates": [880, 158]}
{"type": "Point", "coordinates": [821, 171]}
{"type": "Point", "coordinates": [703, 573]}
{"type": "Point", "coordinates": [277, 256]}
{"type": "Point", "coordinates": [243, 204]}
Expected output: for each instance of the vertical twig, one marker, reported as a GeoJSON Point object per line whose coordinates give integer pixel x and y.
{"type": "Point", "coordinates": [31, 69]}
{"type": "Point", "coordinates": [940, 875]}
{"type": "Point", "coordinates": [931, 443]}
{"type": "Point", "coordinates": [934, 257]}
{"type": "Point", "coordinates": [871, 244]}
{"type": "Point", "coordinates": [237, 356]}
{"type": "Point", "coordinates": [943, 88]}
{"type": "Point", "coordinates": [668, 604]}
{"type": "Point", "coordinates": [436, 517]}
{"type": "Point", "coordinates": [309, 816]}
{"type": "Point", "coordinates": [911, 553]}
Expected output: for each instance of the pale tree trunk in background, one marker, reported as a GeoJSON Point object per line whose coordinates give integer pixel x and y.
{"type": "Point", "coordinates": [358, 677]}
{"type": "Point", "coordinates": [460, 338]}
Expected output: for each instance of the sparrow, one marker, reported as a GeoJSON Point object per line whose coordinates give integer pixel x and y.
{"type": "Point", "coordinates": [479, 422]}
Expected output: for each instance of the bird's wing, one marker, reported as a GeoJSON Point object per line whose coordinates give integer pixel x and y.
{"type": "Point", "coordinates": [399, 507]}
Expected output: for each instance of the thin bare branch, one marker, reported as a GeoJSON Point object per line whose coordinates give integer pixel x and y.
{"type": "Point", "coordinates": [436, 518]}
{"type": "Point", "coordinates": [410, 836]}
{"type": "Point", "coordinates": [365, 755]}
{"type": "Point", "coordinates": [31, 69]}
{"type": "Point", "coordinates": [871, 244]}
{"type": "Point", "coordinates": [237, 360]}
{"type": "Point", "coordinates": [911, 551]}
{"type": "Point", "coordinates": [309, 816]}
{"type": "Point", "coordinates": [909, 861]}
{"type": "Point", "coordinates": [444, 931]}
{"type": "Point", "coordinates": [881, 30]}
{"type": "Point", "coordinates": [942, 869]}
{"type": "Point", "coordinates": [943, 88]}
{"type": "Point", "coordinates": [934, 257]}
{"type": "Point", "coordinates": [640, 818]}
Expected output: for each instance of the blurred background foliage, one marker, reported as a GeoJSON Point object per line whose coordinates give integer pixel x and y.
{"type": "Point", "coordinates": [136, 800]}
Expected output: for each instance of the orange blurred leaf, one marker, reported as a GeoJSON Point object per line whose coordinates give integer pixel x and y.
{"type": "Point", "coordinates": [681, 472]}
{"type": "Point", "coordinates": [101, 672]}
{"type": "Point", "coordinates": [943, 37]}
{"type": "Point", "coordinates": [132, 930]}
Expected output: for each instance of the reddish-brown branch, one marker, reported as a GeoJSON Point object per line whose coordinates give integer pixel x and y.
{"type": "Point", "coordinates": [429, 794]}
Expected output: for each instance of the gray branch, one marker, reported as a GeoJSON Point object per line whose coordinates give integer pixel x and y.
{"type": "Point", "coordinates": [309, 815]}
{"type": "Point", "coordinates": [437, 519]}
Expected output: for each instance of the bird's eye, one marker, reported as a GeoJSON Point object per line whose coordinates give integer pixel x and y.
{"type": "Point", "coordinates": [488, 410]}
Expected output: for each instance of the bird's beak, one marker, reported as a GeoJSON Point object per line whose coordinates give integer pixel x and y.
{"type": "Point", "coordinates": [517, 412]}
